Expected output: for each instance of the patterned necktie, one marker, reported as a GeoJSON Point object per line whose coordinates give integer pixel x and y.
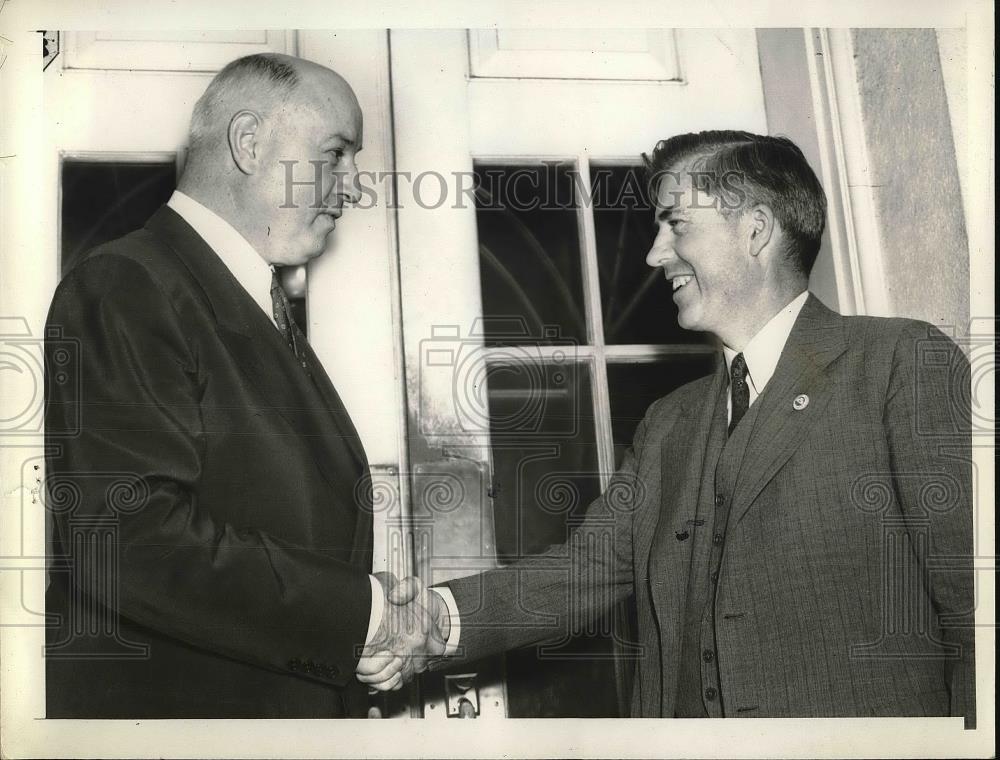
{"type": "Point", "coordinates": [739, 390]}
{"type": "Point", "coordinates": [282, 313]}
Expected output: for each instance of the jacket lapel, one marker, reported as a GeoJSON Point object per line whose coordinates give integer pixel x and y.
{"type": "Point", "coordinates": [817, 338]}
{"type": "Point", "coordinates": [313, 410]}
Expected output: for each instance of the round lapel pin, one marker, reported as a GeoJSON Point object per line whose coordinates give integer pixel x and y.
{"type": "Point", "coordinates": [801, 402]}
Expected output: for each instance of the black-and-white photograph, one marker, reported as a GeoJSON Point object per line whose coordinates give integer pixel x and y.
{"type": "Point", "coordinates": [501, 363]}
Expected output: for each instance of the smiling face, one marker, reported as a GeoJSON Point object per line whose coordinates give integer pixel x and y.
{"type": "Point", "coordinates": [309, 169]}
{"type": "Point", "coordinates": [704, 256]}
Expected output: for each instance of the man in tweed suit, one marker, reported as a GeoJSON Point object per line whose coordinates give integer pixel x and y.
{"type": "Point", "coordinates": [796, 527]}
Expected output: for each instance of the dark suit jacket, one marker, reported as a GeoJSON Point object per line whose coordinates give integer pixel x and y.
{"type": "Point", "coordinates": [212, 537]}
{"type": "Point", "coordinates": [845, 587]}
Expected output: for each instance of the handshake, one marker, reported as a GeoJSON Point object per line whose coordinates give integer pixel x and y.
{"type": "Point", "coordinates": [415, 627]}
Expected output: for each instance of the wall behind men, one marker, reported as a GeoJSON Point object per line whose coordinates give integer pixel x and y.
{"type": "Point", "coordinates": [914, 173]}
{"type": "Point", "coordinates": [911, 107]}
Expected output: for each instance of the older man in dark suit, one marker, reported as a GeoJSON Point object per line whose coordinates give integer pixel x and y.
{"type": "Point", "coordinates": [212, 549]}
{"type": "Point", "coordinates": [796, 527]}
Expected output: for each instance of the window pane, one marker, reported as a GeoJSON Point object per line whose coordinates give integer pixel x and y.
{"type": "Point", "coordinates": [635, 298]}
{"type": "Point", "coordinates": [545, 473]}
{"type": "Point", "coordinates": [544, 452]}
{"type": "Point", "coordinates": [103, 200]}
{"type": "Point", "coordinates": [529, 253]}
{"type": "Point", "coordinates": [633, 387]}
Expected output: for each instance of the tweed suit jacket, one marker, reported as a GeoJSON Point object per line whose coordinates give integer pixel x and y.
{"type": "Point", "coordinates": [211, 548]}
{"type": "Point", "coordinates": [845, 587]}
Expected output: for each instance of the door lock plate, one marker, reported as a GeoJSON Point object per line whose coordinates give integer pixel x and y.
{"type": "Point", "coordinates": [461, 695]}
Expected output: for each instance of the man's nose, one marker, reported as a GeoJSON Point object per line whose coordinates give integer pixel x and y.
{"type": "Point", "coordinates": [659, 255]}
{"type": "Point", "coordinates": [350, 185]}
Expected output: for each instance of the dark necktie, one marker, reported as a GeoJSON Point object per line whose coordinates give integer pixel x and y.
{"type": "Point", "coordinates": [739, 390]}
{"type": "Point", "coordinates": [283, 314]}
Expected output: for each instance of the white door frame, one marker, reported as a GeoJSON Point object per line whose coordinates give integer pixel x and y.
{"type": "Point", "coordinates": [851, 216]}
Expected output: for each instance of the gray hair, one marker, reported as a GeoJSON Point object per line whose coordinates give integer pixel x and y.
{"type": "Point", "coordinates": [259, 79]}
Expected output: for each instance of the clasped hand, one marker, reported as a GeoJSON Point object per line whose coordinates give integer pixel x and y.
{"type": "Point", "coordinates": [414, 628]}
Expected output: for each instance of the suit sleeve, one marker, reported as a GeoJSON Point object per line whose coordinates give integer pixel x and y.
{"type": "Point", "coordinates": [551, 596]}
{"type": "Point", "coordinates": [927, 423]}
{"type": "Point", "coordinates": [134, 416]}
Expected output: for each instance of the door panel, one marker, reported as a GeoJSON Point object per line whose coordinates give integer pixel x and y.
{"type": "Point", "coordinates": [593, 54]}
{"type": "Point", "coordinates": [170, 51]}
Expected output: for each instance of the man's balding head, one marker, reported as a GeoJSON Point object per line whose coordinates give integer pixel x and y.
{"type": "Point", "coordinates": [270, 84]}
{"type": "Point", "coordinates": [266, 126]}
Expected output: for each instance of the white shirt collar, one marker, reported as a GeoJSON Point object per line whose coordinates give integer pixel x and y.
{"type": "Point", "coordinates": [246, 265]}
{"type": "Point", "coordinates": [764, 349]}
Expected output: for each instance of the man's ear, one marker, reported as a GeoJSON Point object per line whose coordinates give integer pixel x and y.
{"type": "Point", "coordinates": [762, 228]}
{"type": "Point", "coordinates": [243, 141]}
